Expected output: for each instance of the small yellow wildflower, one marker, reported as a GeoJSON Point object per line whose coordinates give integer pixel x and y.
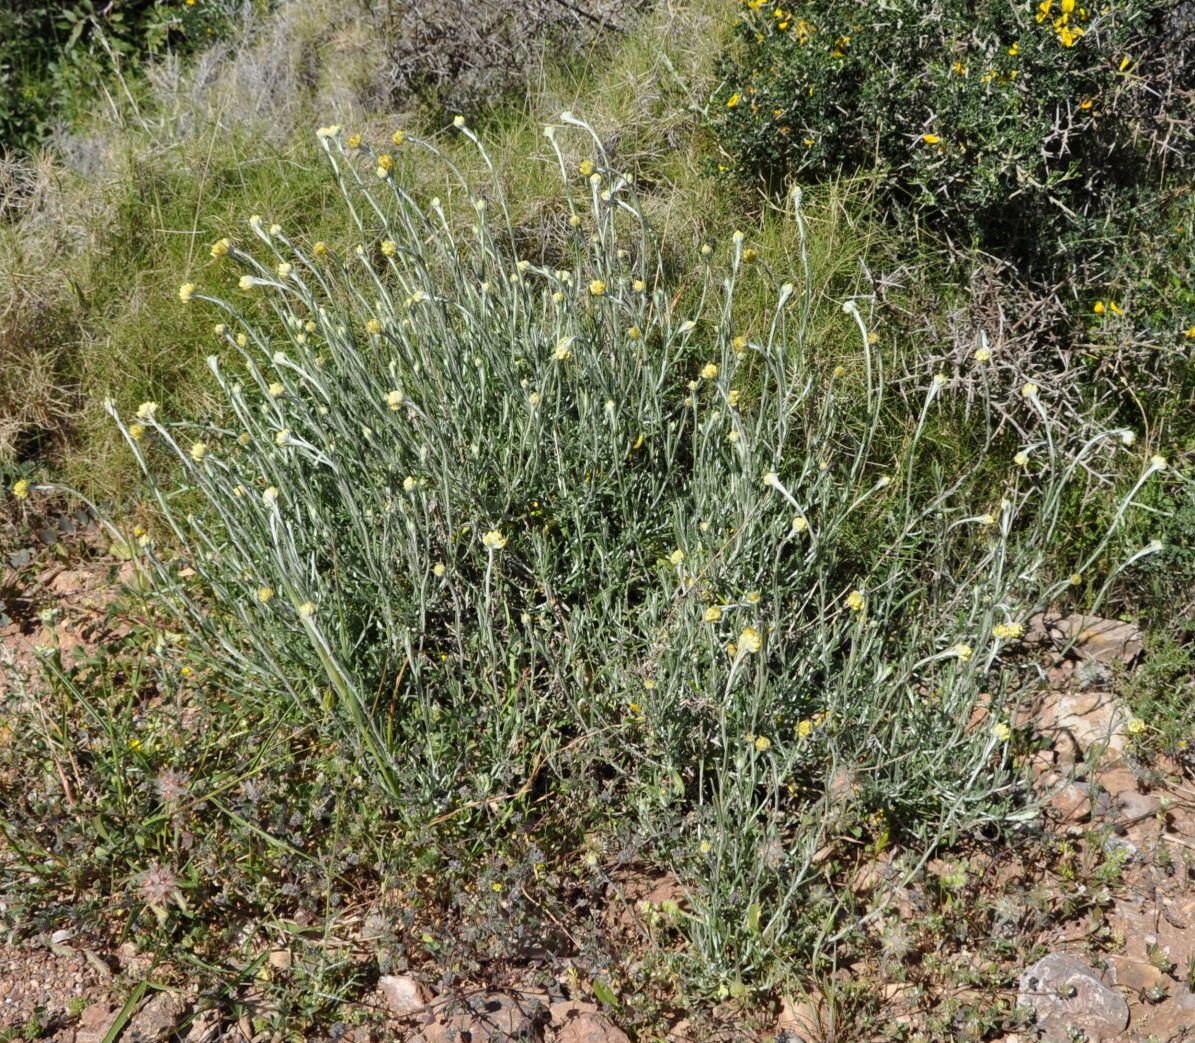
{"type": "Point", "coordinates": [373, 326]}
{"type": "Point", "coordinates": [1030, 390]}
{"type": "Point", "coordinates": [750, 255]}
{"type": "Point", "coordinates": [198, 451]}
{"type": "Point", "coordinates": [438, 569]}
{"type": "Point", "coordinates": [677, 556]}
{"type": "Point", "coordinates": [805, 729]}
{"type": "Point", "coordinates": [320, 249]}
{"type": "Point", "coordinates": [963, 651]}
{"type": "Point", "coordinates": [307, 609]}
{"type": "Point", "coordinates": [1135, 726]}
{"type": "Point", "coordinates": [21, 489]}
{"type": "Point", "coordinates": [264, 594]}
{"type": "Point", "coordinates": [597, 287]}
{"type": "Point", "coordinates": [354, 142]}
{"type": "Point", "coordinates": [1076, 578]}
{"type": "Point", "coordinates": [1002, 731]}
{"type": "Point", "coordinates": [282, 437]}
{"type": "Point", "coordinates": [634, 333]}
{"type": "Point", "coordinates": [800, 524]}
{"type": "Point", "coordinates": [709, 371]}
{"type": "Point", "coordinates": [146, 410]}
{"type": "Point", "coordinates": [586, 167]}
{"type": "Point", "coordinates": [713, 613]}
{"type": "Point", "coordinates": [270, 496]}
{"type": "Point", "coordinates": [733, 100]}
{"type": "Point", "coordinates": [389, 247]}
{"type": "Point", "coordinates": [283, 269]}
{"type": "Point", "coordinates": [185, 291]}
{"type": "Point", "coordinates": [241, 340]}
{"type": "Point", "coordinates": [750, 641]}
{"type": "Point", "coordinates": [394, 400]}
{"type": "Point", "coordinates": [983, 355]}
{"type": "Point", "coordinates": [1007, 631]}
{"type": "Point", "coordinates": [398, 137]}
{"type": "Point", "coordinates": [220, 248]}
{"type": "Point", "coordinates": [275, 390]}
{"type": "Point", "coordinates": [493, 540]}
{"type": "Point", "coordinates": [705, 847]}
{"type": "Point", "coordinates": [409, 484]}
{"type": "Point", "coordinates": [762, 744]}
{"type": "Point", "coordinates": [136, 432]}
{"type": "Point", "coordinates": [1158, 463]}
{"type": "Point", "coordinates": [1021, 459]}
{"type": "Point", "coordinates": [855, 601]}
{"type": "Point", "coordinates": [246, 282]}
{"type": "Point", "coordinates": [638, 286]}
{"type": "Point", "coordinates": [930, 139]}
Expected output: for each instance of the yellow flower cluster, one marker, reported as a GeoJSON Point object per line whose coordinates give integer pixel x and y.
{"type": "Point", "coordinates": [1007, 631]}
{"type": "Point", "coordinates": [1066, 25]}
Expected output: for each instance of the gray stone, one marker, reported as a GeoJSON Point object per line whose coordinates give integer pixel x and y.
{"type": "Point", "coordinates": [1067, 997]}
{"type": "Point", "coordinates": [1134, 806]}
{"type": "Point", "coordinates": [156, 1019]}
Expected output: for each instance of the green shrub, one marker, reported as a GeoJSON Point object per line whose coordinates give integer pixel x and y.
{"type": "Point", "coordinates": [1021, 127]}
{"type": "Point", "coordinates": [563, 533]}
{"type": "Point", "coordinates": [52, 55]}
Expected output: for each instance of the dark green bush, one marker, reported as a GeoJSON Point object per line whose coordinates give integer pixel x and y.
{"type": "Point", "coordinates": [53, 54]}
{"type": "Point", "coordinates": [1021, 128]}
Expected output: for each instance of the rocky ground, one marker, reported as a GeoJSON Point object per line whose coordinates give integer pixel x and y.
{"type": "Point", "coordinates": [1137, 989]}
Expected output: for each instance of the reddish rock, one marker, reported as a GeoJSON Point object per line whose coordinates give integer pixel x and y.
{"type": "Point", "coordinates": [591, 1028]}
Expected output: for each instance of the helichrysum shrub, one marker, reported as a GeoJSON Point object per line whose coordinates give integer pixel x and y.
{"type": "Point", "coordinates": [593, 533]}
{"type": "Point", "coordinates": [1020, 126]}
